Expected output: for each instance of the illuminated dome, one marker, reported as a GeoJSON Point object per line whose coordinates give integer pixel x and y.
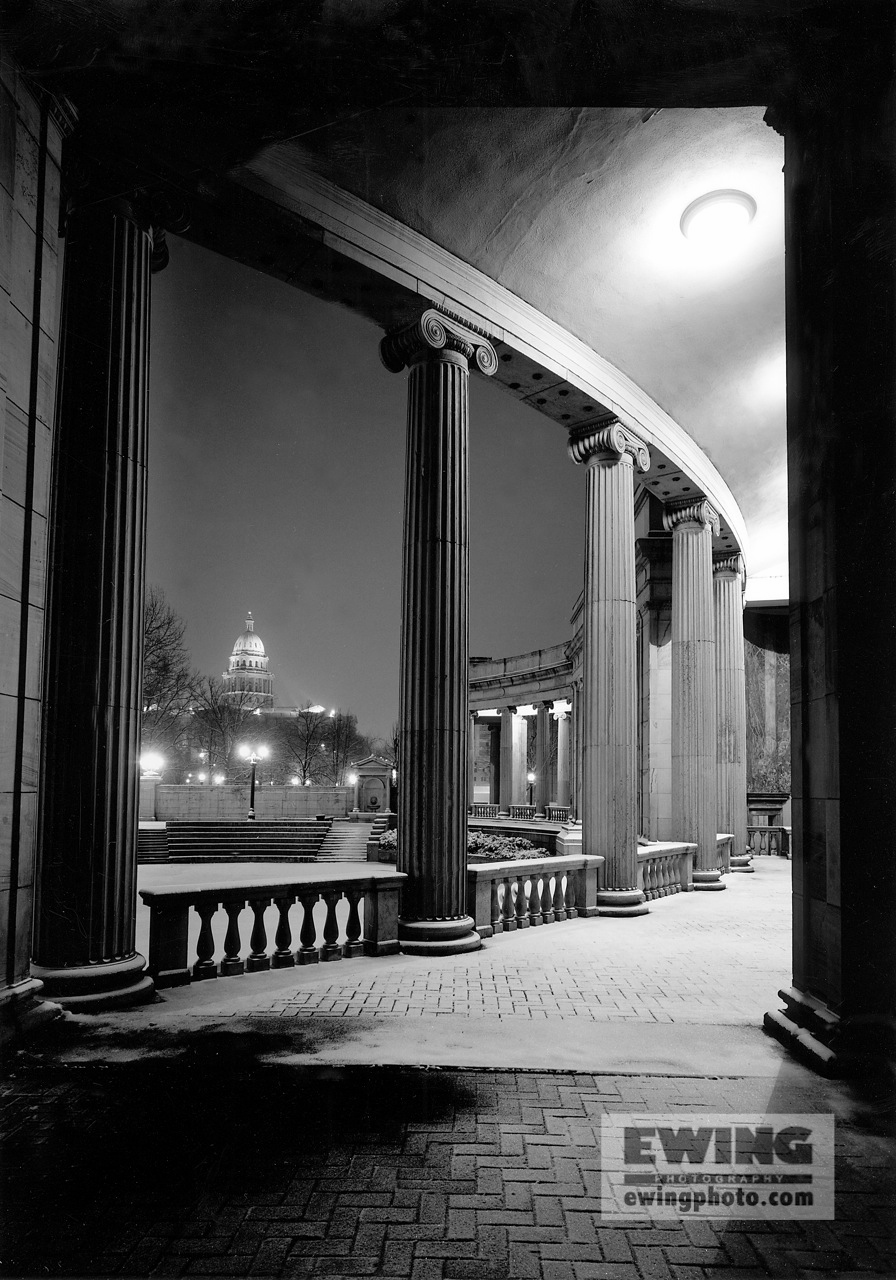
{"type": "Point", "coordinates": [248, 676]}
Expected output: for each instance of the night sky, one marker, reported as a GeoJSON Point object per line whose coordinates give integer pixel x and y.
{"type": "Point", "coordinates": [276, 482]}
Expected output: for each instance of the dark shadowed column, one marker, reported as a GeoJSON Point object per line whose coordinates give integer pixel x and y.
{"type": "Point", "coordinates": [840, 190]}
{"type": "Point", "coordinates": [433, 716]}
{"type": "Point", "coordinates": [85, 912]}
{"type": "Point", "coordinates": [694, 813]}
{"type": "Point", "coordinates": [609, 695]}
{"type": "Point", "coordinates": [731, 705]}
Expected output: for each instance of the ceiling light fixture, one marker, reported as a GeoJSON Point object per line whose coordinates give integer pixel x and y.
{"type": "Point", "coordinates": [713, 219]}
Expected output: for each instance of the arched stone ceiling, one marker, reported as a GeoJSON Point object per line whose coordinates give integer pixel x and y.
{"type": "Point", "coordinates": [577, 212]}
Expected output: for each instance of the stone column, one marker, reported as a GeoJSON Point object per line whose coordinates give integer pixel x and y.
{"type": "Point", "coordinates": [562, 792]}
{"type": "Point", "coordinates": [505, 778]}
{"type": "Point", "coordinates": [840, 191]}
{"type": "Point", "coordinates": [693, 686]}
{"type": "Point", "coordinates": [433, 710]}
{"type": "Point", "coordinates": [85, 913]}
{"type": "Point", "coordinates": [471, 762]}
{"type": "Point", "coordinates": [731, 705]}
{"type": "Point", "coordinates": [542, 758]}
{"type": "Point", "coordinates": [494, 760]}
{"type": "Point", "coordinates": [520, 746]}
{"type": "Point", "coordinates": [609, 696]}
{"type": "Point", "coordinates": [575, 753]}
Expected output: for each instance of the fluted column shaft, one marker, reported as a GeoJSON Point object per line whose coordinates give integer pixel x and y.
{"type": "Point", "coordinates": [731, 703]}
{"type": "Point", "coordinates": [694, 799]}
{"type": "Point", "coordinates": [562, 792]}
{"type": "Point", "coordinates": [505, 772]}
{"type": "Point", "coordinates": [85, 912]}
{"type": "Point", "coordinates": [609, 695]}
{"type": "Point", "coordinates": [433, 710]}
{"type": "Point", "coordinates": [542, 756]}
{"type": "Point", "coordinates": [471, 763]}
{"type": "Point", "coordinates": [520, 748]}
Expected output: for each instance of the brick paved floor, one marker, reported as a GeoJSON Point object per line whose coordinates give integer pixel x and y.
{"type": "Point", "coordinates": [228, 1166]}
{"type": "Point", "coordinates": [697, 957]}
{"type": "Point", "coordinates": [164, 1143]}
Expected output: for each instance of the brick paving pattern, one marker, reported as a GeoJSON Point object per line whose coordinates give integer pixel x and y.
{"type": "Point", "coordinates": [736, 944]}
{"type": "Point", "coordinates": [230, 1166]}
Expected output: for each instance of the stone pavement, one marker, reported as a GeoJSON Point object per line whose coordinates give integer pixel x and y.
{"type": "Point", "coordinates": [248, 1134]}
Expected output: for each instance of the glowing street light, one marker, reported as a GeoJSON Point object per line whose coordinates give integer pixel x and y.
{"type": "Point", "coordinates": [151, 762]}
{"type": "Point", "coordinates": [254, 755]}
{"type": "Point", "coordinates": [530, 778]}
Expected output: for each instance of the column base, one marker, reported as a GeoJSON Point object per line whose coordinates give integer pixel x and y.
{"type": "Point", "coordinates": [23, 1011]}
{"type": "Point", "coordinates": [834, 1047]}
{"type": "Point", "coordinates": [438, 937]}
{"type": "Point", "coordinates": [708, 880]}
{"type": "Point", "coordinates": [742, 862]}
{"type": "Point", "coordinates": [96, 988]}
{"type": "Point", "coordinates": [621, 902]}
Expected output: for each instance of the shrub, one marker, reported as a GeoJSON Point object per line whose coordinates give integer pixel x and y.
{"type": "Point", "coordinates": [482, 845]}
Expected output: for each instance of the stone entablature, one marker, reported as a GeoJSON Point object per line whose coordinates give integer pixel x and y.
{"type": "Point", "coordinates": [522, 678]}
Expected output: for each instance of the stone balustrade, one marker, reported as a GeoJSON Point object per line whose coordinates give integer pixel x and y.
{"type": "Point", "coordinates": [526, 812]}
{"type": "Point", "coordinates": [558, 813]}
{"type": "Point", "coordinates": [769, 840]}
{"type": "Point", "coordinates": [503, 896]}
{"type": "Point", "coordinates": [478, 810]}
{"type": "Point", "coordinates": [665, 868]}
{"type": "Point", "coordinates": [371, 927]}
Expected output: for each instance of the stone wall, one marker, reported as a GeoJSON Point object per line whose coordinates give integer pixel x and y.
{"type": "Point", "coordinates": [198, 804]}
{"type": "Point", "coordinates": [767, 658]}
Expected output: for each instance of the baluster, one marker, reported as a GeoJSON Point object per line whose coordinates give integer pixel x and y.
{"type": "Point", "coordinates": [258, 956]}
{"type": "Point", "coordinates": [308, 952]}
{"type": "Point", "coordinates": [547, 899]}
{"type": "Point", "coordinates": [669, 864]}
{"type": "Point", "coordinates": [534, 900]}
{"type": "Point", "coordinates": [205, 946]}
{"type": "Point", "coordinates": [660, 876]}
{"type": "Point", "coordinates": [522, 903]}
{"type": "Point", "coordinates": [283, 957]}
{"type": "Point", "coordinates": [571, 908]}
{"type": "Point", "coordinates": [650, 879]}
{"type": "Point", "coordinates": [497, 922]}
{"type": "Point", "coordinates": [232, 964]}
{"type": "Point", "coordinates": [353, 945]}
{"type": "Point", "coordinates": [773, 845]}
{"type": "Point", "coordinates": [559, 897]}
{"type": "Point", "coordinates": [509, 914]}
{"type": "Point", "coordinates": [331, 949]}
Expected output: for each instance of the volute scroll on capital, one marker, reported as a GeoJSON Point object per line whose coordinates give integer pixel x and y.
{"type": "Point", "coordinates": [698, 511]}
{"type": "Point", "coordinates": [610, 440]}
{"type": "Point", "coordinates": [729, 566]}
{"type": "Point", "coordinates": [432, 332]}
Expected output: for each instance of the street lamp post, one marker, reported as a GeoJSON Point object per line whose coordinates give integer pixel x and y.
{"type": "Point", "coordinates": [530, 778]}
{"type": "Point", "coordinates": [254, 756]}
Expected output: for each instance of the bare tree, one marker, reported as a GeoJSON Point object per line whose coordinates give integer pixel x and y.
{"type": "Point", "coordinates": [344, 744]}
{"type": "Point", "coordinates": [302, 743]}
{"type": "Point", "coordinates": [169, 682]}
{"type": "Point", "coordinates": [220, 720]}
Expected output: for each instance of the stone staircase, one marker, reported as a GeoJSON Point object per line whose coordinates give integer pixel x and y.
{"type": "Point", "coordinates": [345, 842]}
{"type": "Point", "coordinates": [282, 840]}
{"type": "Point", "coordinates": [152, 842]}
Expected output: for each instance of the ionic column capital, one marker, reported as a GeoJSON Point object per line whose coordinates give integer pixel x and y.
{"type": "Point", "coordinates": [607, 441]}
{"type": "Point", "coordinates": [435, 333]}
{"type": "Point", "coordinates": [698, 512]}
{"type": "Point", "coordinates": [731, 566]}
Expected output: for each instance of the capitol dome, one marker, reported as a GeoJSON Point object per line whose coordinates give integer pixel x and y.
{"type": "Point", "coordinates": [248, 672]}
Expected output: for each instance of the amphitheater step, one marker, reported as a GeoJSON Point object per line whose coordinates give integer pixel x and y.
{"type": "Point", "coordinates": [286, 840]}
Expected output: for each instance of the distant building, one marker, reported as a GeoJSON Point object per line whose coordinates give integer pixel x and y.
{"type": "Point", "coordinates": [248, 671]}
